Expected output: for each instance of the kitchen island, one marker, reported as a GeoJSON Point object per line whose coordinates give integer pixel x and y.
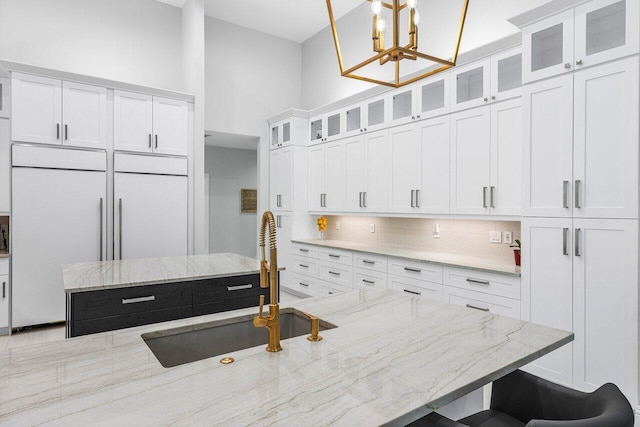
{"type": "Point", "coordinates": [108, 295]}
{"type": "Point", "coordinates": [392, 359]}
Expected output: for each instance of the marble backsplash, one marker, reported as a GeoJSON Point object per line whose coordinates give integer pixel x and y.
{"type": "Point", "coordinates": [464, 237]}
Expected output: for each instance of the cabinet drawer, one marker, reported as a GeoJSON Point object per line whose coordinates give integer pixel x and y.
{"type": "Point", "coordinates": [336, 273]}
{"type": "Point", "coordinates": [481, 301]}
{"type": "Point", "coordinates": [363, 278]}
{"type": "Point", "coordinates": [305, 284]}
{"type": "Point", "coordinates": [327, 288]}
{"type": "Point", "coordinates": [226, 288]}
{"type": "Point", "coordinates": [339, 256]}
{"type": "Point", "coordinates": [370, 261]}
{"type": "Point", "coordinates": [102, 324]}
{"type": "Point", "coordinates": [416, 287]}
{"type": "Point", "coordinates": [305, 250]}
{"type": "Point", "coordinates": [4, 265]}
{"type": "Point", "coordinates": [220, 305]}
{"type": "Point", "coordinates": [139, 299]}
{"type": "Point", "coordinates": [306, 266]}
{"type": "Point", "coordinates": [415, 270]}
{"type": "Point", "coordinates": [490, 283]}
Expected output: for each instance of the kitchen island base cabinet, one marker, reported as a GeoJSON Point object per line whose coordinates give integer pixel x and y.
{"type": "Point", "coordinates": [107, 310]}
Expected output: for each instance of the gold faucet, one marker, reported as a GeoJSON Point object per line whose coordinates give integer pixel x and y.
{"type": "Point", "coordinates": [269, 278]}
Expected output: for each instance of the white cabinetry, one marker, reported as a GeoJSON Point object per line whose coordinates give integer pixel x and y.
{"type": "Point", "coordinates": [593, 134]}
{"type": "Point", "coordinates": [327, 171]}
{"type": "Point", "coordinates": [592, 33]}
{"type": "Point", "coordinates": [4, 295]}
{"type": "Point", "coordinates": [5, 97]}
{"type": "Point", "coordinates": [281, 179]}
{"type": "Point", "coordinates": [150, 206]}
{"type": "Point", "coordinates": [5, 165]}
{"type": "Point", "coordinates": [52, 111]}
{"type": "Point", "coordinates": [415, 278]}
{"type": "Point", "coordinates": [367, 172]}
{"type": "Point", "coordinates": [149, 124]}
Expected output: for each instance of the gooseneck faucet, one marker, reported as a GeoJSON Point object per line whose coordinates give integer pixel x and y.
{"type": "Point", "coordinates": [269, 278]}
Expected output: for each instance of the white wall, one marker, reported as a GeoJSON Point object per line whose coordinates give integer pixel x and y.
{"type": "Point", "coordinates": [229, 171]}
{"type": "Point", "coordinates": [321, 81]}
{"type": "Point", "coordinates": [134, 41]}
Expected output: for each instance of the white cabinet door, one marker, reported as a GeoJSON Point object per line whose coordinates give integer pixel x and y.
{"type": "Point", "coordinates": [547, 147]}
{"type": "Point", "coordinates": [402, 103]}
{"type": "Point", "coordinates": [84, 111]}
{"type": "Point", "coordinates": [316, 177]}
{"type": "Point", "coordinates": [433, 95]}
{"type": "Point", "coordinates": [471, 85]}
{"type": "Point", "coordinates": [405, 168]}
{"type": "Point", "coordinates": [5, 97]}
{"type": "Point", "coordinates": [170, 126]}
{"type": "Point", "coordinates": [281, 179]}
{"type": "Point", "coordinates": [506, 74]}
{"type": "Point", "coordinates": [36, 105]}
{"type": "Point", "coordinates": [56, 219]}
{"type": "Point", "coordinates": [132, 121]}
{"type": "Point", "coordinates": [354, 155]}
{"type": "Point", "coordinates": [547, 289]}
{"type": "Point", "coordinates": [335, 173]}
{"type": "Point", "coordinates": [605, 30]}
{"type": "Point", "coordinates": [4, 300]}
{"type": "Point", "coordinates": [506, 165]}
{"type": "Point", "coordinates": [470, 161]}
{"type": "Point", "coordinates": [605, 272]}
{"type": "Point", "coordinates": [376, 172]}
{"type": "Point", "coordinates": [5, 166]}
{"type": "Point", "coordinates": [433, 137]}
{"type": "Point", "coordinates": [605, 165]}
{"type": "Point", "coordinates": [284, 229]}
{"type": "Point", "coordinates": [150, 215]}
{"type": "Point", "coordinates": [275, 179]}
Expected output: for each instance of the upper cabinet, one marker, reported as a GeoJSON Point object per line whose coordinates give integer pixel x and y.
{"type": "Point", "coordinates": [52, 111]}
{"type": "Point", "coordinates": [150, 124]}
{"type": "Point", "coordinates": [290, 131]}
{"type": "Point", "coordinates": [492, 79]}
{"type": "Point", "coordinates": [427, 98]}
{"type": "Point", "coordinates": [592, 33]}
{"type": "Point", "coordinates": [326, 128]}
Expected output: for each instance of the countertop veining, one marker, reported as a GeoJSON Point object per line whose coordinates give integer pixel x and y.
{"type": "Point", "coordinates": [91, 276]}
{"type": "Point", "coordinates": [454, 260]}
{"type": "Point", "coordinates": [392, 358]}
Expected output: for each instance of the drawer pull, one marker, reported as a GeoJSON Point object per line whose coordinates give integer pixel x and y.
{"type": "Point", "coordinates": [303, 250]}
{"type": "Point", "coordinates": [366, 261]}
{"type": "Point", "coordinates": [304, 284]}
{"type": "Point", "coordinates": [239, 287]}
{"type": "Point", "coordinates": [331, 293]}
{"type": "Point", "coordinates": [478, 281]}
{"type": "Point", "coordinates": [303, 265]}
{"type": "Point", "coordinates": [334, 256]}
{"type": "Point", "coordinates": [139, 299]}
{"type": "Point", "coordinates": [369, 282]}
{"type": "Point", "coordinates": [414, 270]}
{"type": "Point", "coordinates": [412, 292]}
{"type": "Point", "coordinates": [477, 308]}
{"type": "Point", "coordinates": [334, 273]}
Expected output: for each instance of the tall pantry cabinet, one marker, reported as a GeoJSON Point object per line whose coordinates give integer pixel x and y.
{"type": "Point", "coordinates": [580, 191]}
{"type": "Point", "coordinates": [97, 174]}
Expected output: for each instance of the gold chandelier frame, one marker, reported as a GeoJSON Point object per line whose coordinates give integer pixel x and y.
{"type": "Point", "coordinates": [396, 52]}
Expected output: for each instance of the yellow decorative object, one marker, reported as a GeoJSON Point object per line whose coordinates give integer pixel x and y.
{"type": "Point", "coordinates": [322, 223]}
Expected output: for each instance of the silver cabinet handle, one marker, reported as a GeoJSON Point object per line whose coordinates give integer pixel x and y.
{"type": "Point", "coordinates": [4, 290]}
{"type": "Point", "coordinates": [366, 261]}
{"type": "Point", "coordinates": [156, 141]}
{"type": "Point", "coordinates": [491, 192]}
{"type": "Point", "coordinates": [334, 273]}
{"type": "Point", "coordinates": [567, 65]}
{"type": "Point", "coordinates": [364, 199]}
{"type": "Point", "coordinates": [66, 132]}
{"type": "Point", "coordinates": [579, 62]}
{"type": "Point", "coordinates": [57, 130]}
{"type": "Point", "coordinates": [239, 287]}
{"type": "Point", "coordinates": [412, 292]}
{"type": "Point", "coordinates": [412, 196]}
{"type": "Point", "coordinates": [486, 99]}
{"type": "Point", "coordinates": [334, 256]}
{"type": "Point", "coordinates": [478, 281]}
{"type": "Point", "coordinates": [303, 284]}
{"type": "Point", "coordinates": [101, 222]}
{"type": "Point", "coordinates": [565, 194]}
{"type": "Point", "coordinates": [417, 198]}
{"type": "Point", "coordinates": [139, 299]}
{"type": "Point", "coordinates": [475, 307]}
{"type": "Point", "coordinates": [370, 282]}
{"type": "Point", "coordinates": [278, 222]}
{"type": "Point", "coordinates": [484, 197]}
{"type": "Point", "coordinates": [577, 248]}
{"type": "Point", "coordinates": [577, 196]}
{"type": "Point", "coordinates": [303, 265]}
{"type": "Point", "coordinates": [120, 227]}
{"type": "Point", "coordinates": [414, 270]}
{"type": "Point", "coordinates": [360, 199]}
{"type": "Point", "coordinates": [565, 240]}
{"type": "Point", "coordinates": [493, 97]}
{"type": "Point", "coordinates": [149, 140]}
{"type": "Point", "coordinates": [303, 250]}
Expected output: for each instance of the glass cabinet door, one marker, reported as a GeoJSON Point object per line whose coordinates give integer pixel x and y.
{"type": "Point", "coordinates": [605, 30]}
{"type": "Point", "coordinates": [316, 134]}
{"type": "Point", "coordinates": [353, 120]}
{"type": "Point", "coordinates": [286, 133]}
{"type": "Point", "coordinates": [402, 105]}
{"type": "Point", "coordinates": [275, 136]}
{"type": "Point", "coordinates": [547, 47]}
{"type": "Point", "coordinates": [471, 85]}
{"type": "Point", "coordinates": [506, 75]}
{"type": "Point", "coordinates": [433, 95]}
{"type": "Point", "coordinates": [375, 113]}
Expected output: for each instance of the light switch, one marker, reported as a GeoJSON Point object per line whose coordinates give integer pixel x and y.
{"type": "Point", "coordinates": [508, 236]}
{"type": "Point", "coordinates": [337, 225]}
{"type": "Point", "coordinates": [495, 236]}
{"type": "Point", "coordinates": [372, 228]}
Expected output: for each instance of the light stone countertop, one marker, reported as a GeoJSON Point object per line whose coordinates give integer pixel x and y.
{"type": "Point", "coordinates": [392, 358]}
{"type": "Point", "coordinates": [92, 276]}
{"type": "Point", "coordinates": [471, 262]}
{"type": "Point", "coordinates": [4, 254]}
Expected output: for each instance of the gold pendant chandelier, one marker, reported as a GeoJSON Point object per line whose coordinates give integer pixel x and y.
{"type": "Point", "coordinates": [399, 52]}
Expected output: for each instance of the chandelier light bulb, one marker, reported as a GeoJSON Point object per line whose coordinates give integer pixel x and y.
{"type": "Point", "coordinates": [412, 3]}
{"type": "Point", "coordinates": [416, 18]}
{"type": "Point", "coordinates": [381, 24]}
{"type": "Point", "coordinates": [376, 7]}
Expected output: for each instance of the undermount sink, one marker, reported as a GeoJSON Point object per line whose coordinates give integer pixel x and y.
{"type": "Point", "coordinates": [173, 347]}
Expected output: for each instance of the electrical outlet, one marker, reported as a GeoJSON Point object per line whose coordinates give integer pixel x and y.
{"type": "Point", "coordinates": [436, 231]}
{"type": "Point", "coordinates": [337, 225]}
{"type": "Point", "coordinates": [372, 228]}
{"type": "Point", "coordinates": [508, 237]}
{"type": "Point", "coordinates": [495, 237]}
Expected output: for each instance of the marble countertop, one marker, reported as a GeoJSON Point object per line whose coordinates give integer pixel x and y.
{"type": "Point", "coordinates": [4, 254]}
{"type": "Point", "coordinates": [92, 276]}
{"type": "Point", "coordinates": [392, 359]}
{"type": "Point", "coordinates": [454, 260]}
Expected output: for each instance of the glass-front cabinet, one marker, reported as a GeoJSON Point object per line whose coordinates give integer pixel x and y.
{"type": "Point", "coordinates": [326, 127]}
{"type": "Point", "coordinates": [432, 95]}
{"type": "Point", "coordinates": [590, 34]}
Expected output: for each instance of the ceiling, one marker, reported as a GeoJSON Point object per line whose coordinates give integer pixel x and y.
{"type": "Point", "coordinates": [295, 20]}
